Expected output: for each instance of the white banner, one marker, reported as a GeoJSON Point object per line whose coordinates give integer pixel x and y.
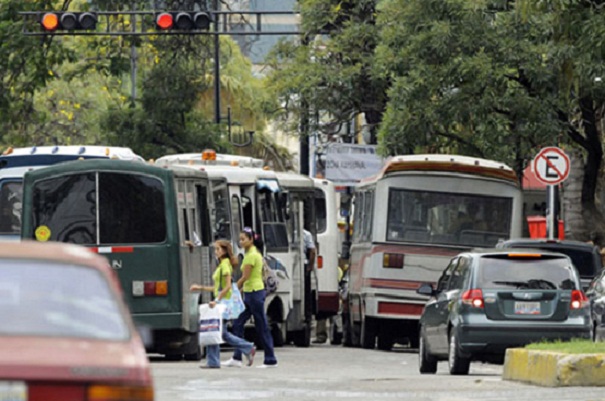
{"type": "Point", "coordinates": [348, 164]}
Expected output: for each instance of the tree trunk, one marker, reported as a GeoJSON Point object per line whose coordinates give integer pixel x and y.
{"type": "Point", "coordinates": [575, 228]}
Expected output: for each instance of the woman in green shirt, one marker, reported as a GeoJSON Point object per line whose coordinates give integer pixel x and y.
{"type": "Point", "coordinates": [254, 293]}
{"type": "Point", "coordinates": [222, 290]}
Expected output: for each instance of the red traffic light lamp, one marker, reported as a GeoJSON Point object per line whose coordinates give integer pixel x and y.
{"type": "Point", "coordinates": [164, 21]}
{"type": "Point", "coordinates": [68, 21]}
{"type": "Point", "coordinates": [183, 21]}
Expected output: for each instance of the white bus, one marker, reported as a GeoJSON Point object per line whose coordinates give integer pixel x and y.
{"type": "Point", "coordinates": [409, 220]}
{"type": "Point", "coordinates": [328, 241]}
{"type": "Point", "coordinates": [254, 197]}
{"type": "Point", "coordinates": [15, 162]}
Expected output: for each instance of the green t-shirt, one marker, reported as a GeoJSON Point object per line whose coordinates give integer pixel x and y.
{"type": "Point", "coordinates": [255, 281]}
{"type": "Point", "coordinates": [219, 277]}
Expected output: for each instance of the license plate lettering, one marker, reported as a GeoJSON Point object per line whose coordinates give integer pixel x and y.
{"type": "Point", "coordinates": [13, 391]}
{"type": "Point", "coordinates": [527, 308]}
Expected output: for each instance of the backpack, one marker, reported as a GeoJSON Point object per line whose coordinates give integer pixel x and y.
{"type": "Point", "coordinates": [269, 278]}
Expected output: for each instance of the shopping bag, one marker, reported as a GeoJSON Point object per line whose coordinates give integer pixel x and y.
{"type": "Point", "coordinates": [234, 305]}
{"type": "Point", "coordinates": [211, 324]}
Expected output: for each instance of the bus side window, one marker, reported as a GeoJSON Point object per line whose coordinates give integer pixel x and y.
{"type": "Point", "coordinates": [367, 213]}
{"type": "Point", "coordinates": [236, 215]}
{"type": "Point", "coordinates": [205, 228]}
{"type": "Point", "coordinates": [358, 219]}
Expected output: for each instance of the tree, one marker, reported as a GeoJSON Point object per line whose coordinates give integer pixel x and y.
{"type": "Point", "coordinates": [494, 79]}
{"type": "Point", "coordinates": [26, 64]}
{"type": "Point", "coordinates": [331, 70]}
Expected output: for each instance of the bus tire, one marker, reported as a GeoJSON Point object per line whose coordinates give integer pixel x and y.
{"type": "Point", "coordinates": [335, 335]}
{"type": "Point", "coordinates": [368, 333]}
{"type": "Point", "coordinates": [302, 338]}
{"type": "Point", "coordinates": [196, 356]}
{"type": "Point", "coordinates": [385, 342]}
{"type": "Point", "coordinates": [346, 330]}
{"type": "Point", "coordinates": [277, 333]}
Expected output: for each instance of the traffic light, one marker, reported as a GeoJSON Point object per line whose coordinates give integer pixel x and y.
{"type": "Point", "coordinates": [183, 21]}
{"type": "Point", "coordinates": [68, 21]}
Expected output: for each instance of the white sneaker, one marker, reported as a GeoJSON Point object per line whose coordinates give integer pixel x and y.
{"type": "Point", "coordinates": [232, 363]}
{"type": "Point", "coordinates": [265, 366]}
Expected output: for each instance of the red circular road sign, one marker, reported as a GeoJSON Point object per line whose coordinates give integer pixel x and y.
{"type": "Point", "coordinates": [551, 166]}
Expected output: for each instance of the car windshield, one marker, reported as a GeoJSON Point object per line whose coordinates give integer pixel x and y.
{"type": "Point", "coordinates": [56, 300]}
{"type": "Point", "coordinates": [545, 274]}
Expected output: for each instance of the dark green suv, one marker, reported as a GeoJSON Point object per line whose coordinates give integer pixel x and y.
{"type": "Point", "coordinates": [489, 300]}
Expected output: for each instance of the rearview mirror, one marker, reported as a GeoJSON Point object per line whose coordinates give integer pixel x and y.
{"type": "Point", "coordinates": [426, 289]}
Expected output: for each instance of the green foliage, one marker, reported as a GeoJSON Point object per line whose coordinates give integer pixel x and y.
{"type": "Point", "coordinates": [576, 346]}
{"type": "Point", "coordinates": [333, 74]}
{"type": "Point", "coordinates": [77, 89]}
{"type": "Point", "coordinates": [458, 71]}
{"type": "Point", "coordinates": [26, 64]}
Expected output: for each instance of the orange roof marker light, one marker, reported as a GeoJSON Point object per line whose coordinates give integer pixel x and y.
{"type": "Point", "coordinates": [209, 154]}
{"type": "Point", "coordinates": [50, 21]}
{"type": "Point", "coordinates": [164, 21]}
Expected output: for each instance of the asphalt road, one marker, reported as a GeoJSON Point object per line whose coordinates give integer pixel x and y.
{"type": "Point", "coordinates": [328, 373]}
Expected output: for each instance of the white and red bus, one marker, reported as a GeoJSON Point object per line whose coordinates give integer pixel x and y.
{"type": "Point", "coordinates": [409, 220]}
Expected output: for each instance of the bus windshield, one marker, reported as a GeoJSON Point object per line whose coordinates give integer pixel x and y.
{"type": "Point", "coordinates": [119, 208]}
{"type": "Point", "coordinates": [447, 218]}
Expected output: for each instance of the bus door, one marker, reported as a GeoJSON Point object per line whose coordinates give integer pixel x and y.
{"type": "Point", "coordinates": [297, 209]}
{"type": "Point", "coordinates": [194, 230]}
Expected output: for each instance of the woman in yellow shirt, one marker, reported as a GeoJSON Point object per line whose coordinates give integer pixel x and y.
{"type": "Point", "coordinates": [222, 290]}
{"type": "Point", "coordinates": [254, 293]}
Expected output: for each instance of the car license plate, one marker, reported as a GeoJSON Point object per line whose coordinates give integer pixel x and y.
{"type": "Point", "coordinates": [13, 391]}
{"type": "Point", "coordinates": [527, 308]}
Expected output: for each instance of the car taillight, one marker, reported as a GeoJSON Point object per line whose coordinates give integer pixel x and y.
{"type": "Point", "coordinates": [120, 393]}
{"type": "Point", "coordinates": [473, 298]}
{"type": "Point", "coordinates": [578, 299]}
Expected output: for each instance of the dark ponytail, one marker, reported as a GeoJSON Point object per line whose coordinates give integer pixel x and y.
{"type": "Point", "coordinates": [256, 239]}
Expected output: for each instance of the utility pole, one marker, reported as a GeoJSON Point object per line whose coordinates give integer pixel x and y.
{"type": "Point", "coordinates": [217, 66]}
{"type": "Point", "coordinates": [304, 127]}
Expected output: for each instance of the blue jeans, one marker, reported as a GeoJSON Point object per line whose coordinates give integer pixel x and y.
{"type": "Point", "coordinates": [255, 306]}
{"type": "Point", "coordinates": [213, 352]}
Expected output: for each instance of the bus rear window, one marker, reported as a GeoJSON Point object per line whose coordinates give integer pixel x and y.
{"type": "Point", "coordinates": [127, 208]}
{"type": "Point", "coordinates": [131, 209]}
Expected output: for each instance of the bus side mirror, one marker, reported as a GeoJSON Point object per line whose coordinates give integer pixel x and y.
{"type": "Point", "coordinates": [426, 289]}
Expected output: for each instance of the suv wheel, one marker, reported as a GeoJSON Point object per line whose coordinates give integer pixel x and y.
{"type": "Point", "coordinates": [459, 365]}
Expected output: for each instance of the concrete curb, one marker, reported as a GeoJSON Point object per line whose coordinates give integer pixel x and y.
{"type": "Point", "coordinates": [553, 369]}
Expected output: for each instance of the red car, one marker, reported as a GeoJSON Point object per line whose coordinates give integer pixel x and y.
{"type": "Point", "coordinates": [65, 332]}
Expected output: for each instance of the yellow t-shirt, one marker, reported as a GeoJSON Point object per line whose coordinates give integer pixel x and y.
{"type": "Point", "coordinates": [219, 277]}
{"type": "Point", "coordinates": [255, 281]}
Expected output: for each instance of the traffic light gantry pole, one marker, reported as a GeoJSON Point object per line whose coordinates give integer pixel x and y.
{"type": "Point", "coordinates": [160, 23]}
{"type": "Point", "coordinates": [148, 23]}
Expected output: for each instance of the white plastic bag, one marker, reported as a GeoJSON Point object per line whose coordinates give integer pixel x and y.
{"type": "Point", "coordinates": [211, 324]}
{"type": "Point", "coordinates": [233, 306]}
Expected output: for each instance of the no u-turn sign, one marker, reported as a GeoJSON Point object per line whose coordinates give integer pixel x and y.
{"type": "Point", "coordinates": [551, 166]}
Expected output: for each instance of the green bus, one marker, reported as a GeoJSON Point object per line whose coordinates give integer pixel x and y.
{"type": "Point", "coordinates": [153, 225]}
